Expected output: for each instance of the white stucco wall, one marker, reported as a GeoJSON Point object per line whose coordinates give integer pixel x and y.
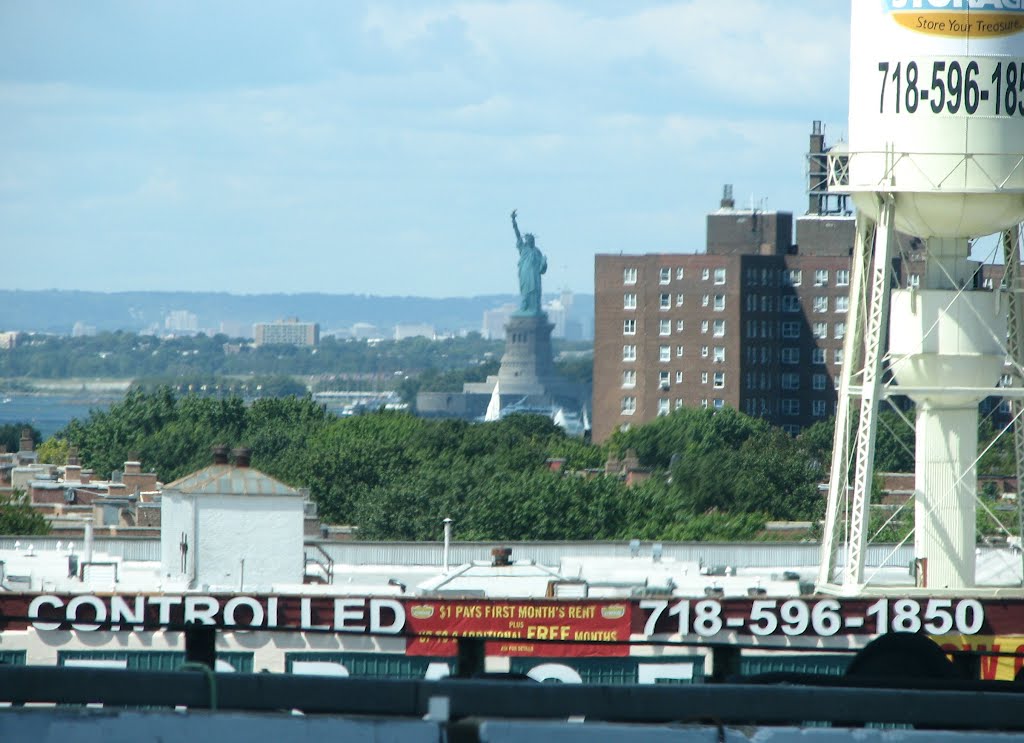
{"type": "Point", "coordinates": [265, 531]}
{"type": "Point", "coordinates": [176, 517]}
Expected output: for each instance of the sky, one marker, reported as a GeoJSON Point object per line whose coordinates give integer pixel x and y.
{"type": "Point", "coordinates": [378, 147]}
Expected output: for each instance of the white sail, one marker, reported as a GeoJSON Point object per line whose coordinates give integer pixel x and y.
{"type": "Point", "coordinates": [494, 406]}
{"type": "Point", "coordinates": [586, 419]}
{"type": "Point", "coordinates": [560, 420]}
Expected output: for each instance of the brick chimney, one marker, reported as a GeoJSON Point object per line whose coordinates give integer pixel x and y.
{"type": "Point", "coordinates": [72, 473]}
{"type": "Point", "coordinates": [220, 454]}
{"type": "Point", "coordinates": [501, 557]}
{"type": "Point", "coordinates": [72, 455]}
{"type": "Point", "coordinates": [86, 477]}
{"type": "Point", "coordinates": [242, 456]}
{"type": "Point", "coordinates": [26, 440]}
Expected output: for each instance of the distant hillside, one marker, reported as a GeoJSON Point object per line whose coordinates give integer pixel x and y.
{"type": "Point", "coordinates": [55, 311]}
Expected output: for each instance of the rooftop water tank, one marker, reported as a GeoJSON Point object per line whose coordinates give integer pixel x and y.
{"type": "Point", "coordinates": [937, 113]}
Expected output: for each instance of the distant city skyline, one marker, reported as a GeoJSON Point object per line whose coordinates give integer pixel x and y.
{"type": "Point", "coordinates": [378, 147]}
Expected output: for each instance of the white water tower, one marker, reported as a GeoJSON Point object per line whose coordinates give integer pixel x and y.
{"type": "Point", "coordinates": [936, 152]}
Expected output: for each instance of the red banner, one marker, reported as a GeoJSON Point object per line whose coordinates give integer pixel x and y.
{"type": "Point", "coordinates": [549, 628]}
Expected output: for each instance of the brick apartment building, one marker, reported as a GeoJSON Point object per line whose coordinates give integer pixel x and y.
{"type": "Point", "coordinates": [754, 323]}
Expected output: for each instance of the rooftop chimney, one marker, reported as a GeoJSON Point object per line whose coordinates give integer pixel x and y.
{"type": "Point", "coordinates": [242, 455]}
{"type": "Point", "coordinates": [220, 454]}
{"type": "Point", "coordinates": [26, 440]}
{"type": "Point", "coordinates": [73, 455]}
{"type": "Point", "coordinates": [501, 557]}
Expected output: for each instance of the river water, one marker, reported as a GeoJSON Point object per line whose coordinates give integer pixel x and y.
{"type": "Point", "coordinates": [51, 412]}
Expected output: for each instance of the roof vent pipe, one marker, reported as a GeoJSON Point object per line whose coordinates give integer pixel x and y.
{"type": "Point", "coordinates": [447, 542]}
{"type": "Point", "coordinates": [220, 454]}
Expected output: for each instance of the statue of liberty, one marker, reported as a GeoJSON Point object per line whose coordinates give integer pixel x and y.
{"type": "Point", "coordinates": [532, 264]}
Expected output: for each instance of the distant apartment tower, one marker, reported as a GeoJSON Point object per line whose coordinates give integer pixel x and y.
{"type": "Point", "coordinates": [181, 321]}
{"type": "Point", "coordinates": [286, 332]}
{"type": "Point", "coordinates": [755, 323]}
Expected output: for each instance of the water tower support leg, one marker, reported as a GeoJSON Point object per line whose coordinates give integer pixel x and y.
{"type": "Point", "coordinates": [871, 389]}
{"type": "Point", "coordinates": [1015, 350]}
{"type": "Point", "coordinates": [840, 468]}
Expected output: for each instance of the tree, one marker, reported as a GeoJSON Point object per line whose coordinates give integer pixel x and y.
{"type": "Point", "coordinates": [18, 518]}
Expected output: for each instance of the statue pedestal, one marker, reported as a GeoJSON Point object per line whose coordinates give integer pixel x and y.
{"type": "Point", "coordinates": [528, 364]}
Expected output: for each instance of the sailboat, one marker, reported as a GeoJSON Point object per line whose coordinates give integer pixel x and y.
{"type": "Point", "coordinates": [494, 406]}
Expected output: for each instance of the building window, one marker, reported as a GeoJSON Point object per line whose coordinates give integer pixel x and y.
{"type": "Point", "coordinates": [679, 326]}
{"type": "Point", "coordinates": [719, 328]}
{"type": "Point", "coordinates": [628, 405]}
{"type": "Point", "coordinates": [679, 403]}
{"type": "Point", "coordinates": [679, 351]}
{"type": "Point", "coordinates": [629, 327]}
{"type": "Point", "coordinates": [629, 301]}
{"type": "Point", "coordinates": [818, 356]}
{"type": "Point", "coordinates": [679, 300]}
{"type": "Point", "coordinates": [719, 403]}
{"type": "Point", "coordinates": [629, 353]}
{"type": "Point", "coordinates": [719, 355]}
{"type": "Point", "coordinates": [719, 302]}
{"type": "Point", "coordinates": [704, 402]}
{"type": "Point", "coordinates": [821, 277]}
{"type": "Point", "coordinates": [664, 353]}
{"type": "Point", "coordinates": [837, 357]}
{"type": "Point", "coordinates": [790, 330]}
{"type": "Point", "coordinates": [629, 378]}
{"type": "Point", "coordinates": [704, 325]}
{"type": "Point", "coordinates": [679, 377]}
{"type": "Point", "coordinates": [790, 356]}
{"type": "Point", "coordinates": [790, 406]}
{"type": "Point", "coordinates": [790, 381]}
{"type": "Point", "coordinates": [719, 380]}
{"type": "Point", "coordinates": [790, 303]}
{"type": "Point", "coordinates": [664, 327]}
{"type": "Point", "coordinates": [840, 330]}
{"type": "Point", "coordinates": [818, 381]}
{"type": "Point", "coordinates": [842, 277]}
{"type": "Point", "coordinates": [624, 427]}
{"type": "Point", "coordinates": [663, 380]}
{"type": "Point", "coordinates": [703, 377]}
{"type": "Point", "coordinates": [629, 276]}
{"type": "Point", "coordinates": [705, 274]}
{"type": "Point", "coordinates": [679, 274]}
{"type": "Point", "coordinates": [914, 281]}
{"type": "Point", "coordinates": [751, 328]}
{"type": "Point", "coordinates": [705, 300]}
{"type": "Point", "coordinates": [842, 304]}
{"type": "Point", "coordinates": [719, 275]}
{"type": "Point", "coordinates": [820, 330]}
{"type": "Point", "coordinates": [818, 408]}
{"type": "Point", "coordinates": [820, 304]}
{"type": "Point", "coordinates": [703, 352]}
{"type": "Point", "coordinates": [794, 277]}
{"type": "Point", "coordinates": [665, 301]}
{"type": "Point", "coordinates": [663, 408]}
{"type": "Point", "coordinates": [664, 275]}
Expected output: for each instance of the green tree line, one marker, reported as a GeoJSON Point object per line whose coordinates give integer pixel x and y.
{"type": "Point", "coordinates": [712, 474]}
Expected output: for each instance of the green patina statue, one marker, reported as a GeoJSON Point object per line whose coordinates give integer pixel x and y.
{"type": "Point", "coordinates": [532, 264]}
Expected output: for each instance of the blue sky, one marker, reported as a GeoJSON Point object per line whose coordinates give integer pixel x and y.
{"type": "Point", "coordinates": [378, 147]}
